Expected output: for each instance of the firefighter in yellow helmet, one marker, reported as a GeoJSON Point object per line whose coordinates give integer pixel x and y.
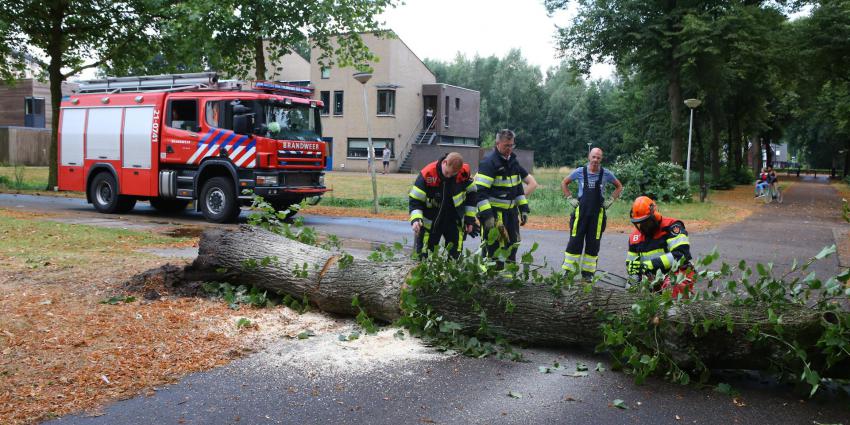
{"type": "Point", "coordinates": [658, 243]}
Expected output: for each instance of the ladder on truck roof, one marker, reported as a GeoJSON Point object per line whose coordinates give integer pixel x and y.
{"type": "Point", "coordinates": [144, 83]}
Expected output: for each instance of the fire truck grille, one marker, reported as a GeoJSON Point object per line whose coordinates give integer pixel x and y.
{"type": "Point", "coordinates": [301, 180]}
{"type": "Point", "coordinates": [297, 154]}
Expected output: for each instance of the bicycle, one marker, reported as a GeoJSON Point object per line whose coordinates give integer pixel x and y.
{"type": "Point", "coordinates": [772, 193]}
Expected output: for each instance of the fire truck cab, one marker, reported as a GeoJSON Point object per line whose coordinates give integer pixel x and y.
{"type": "Point", "coordinates": [174, 139]}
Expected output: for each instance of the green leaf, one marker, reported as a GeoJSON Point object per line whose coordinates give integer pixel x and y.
{"type": "Point", "coordinates": [599, 367]}
{"type": "Point", "coordinates": [449, 327]}
{"type": "Point", "coordinates": [581, 367]}
{"type": "Point", "coordinates": [826, 252]}
{"type": "Point", "coordinates": [620, 404]}
{"type": "Point", "coordinates": [726, 389]}
{"type": "Point", "coordinates": [515, 394]}
{"type": "Point", "coordinates": [243, 322]}
{"type": "Point", "coordinates": [544, 369]}
{"type": "Point", "coordinates": [305, 334]}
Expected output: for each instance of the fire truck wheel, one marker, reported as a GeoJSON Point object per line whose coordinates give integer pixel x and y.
{"type": "Point", "coordinates": [219, 202]}
{"type": "Point", "coordinates": [104, 195]}
{"type": "Point", "coordinates": [169, 206]}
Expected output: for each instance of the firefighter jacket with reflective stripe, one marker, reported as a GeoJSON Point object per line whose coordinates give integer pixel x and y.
{"type": "Point", "coordinates": [499, 182]}
{"type": "Point", "coordinates": [432, 189]}
{"type": "Point", "coordinates": [669, 244]}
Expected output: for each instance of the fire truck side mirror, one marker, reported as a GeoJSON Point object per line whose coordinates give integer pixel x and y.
{"type": "Point", "coordinates": [242, 124]}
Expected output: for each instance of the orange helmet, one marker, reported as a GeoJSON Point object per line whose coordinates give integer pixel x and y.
{"type": "Point", "coordinates": [643, 208]}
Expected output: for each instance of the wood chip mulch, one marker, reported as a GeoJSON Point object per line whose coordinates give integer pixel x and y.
{"type": "Point", "coordinates": [64, 351]}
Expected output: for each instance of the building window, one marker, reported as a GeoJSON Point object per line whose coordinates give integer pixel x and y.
{"type": "Point", "coordinates": [386, 102]}
{"type": "Point", "coordinates": [457, 103]}
{"type": "Point", "coordinates": [34, 112]}
{"type": "Point", "coordinates": [326, 102]}
{"type": "Point", "coordinates": [446, 114]}
{"type": "Point", "coordinates": [359, 148]}
{"type": "Point", "coordinates": [326, 73]}
{"type": "Point", "coordinates": [338, 102]}
{"type": "Point", "coordinates": [466, 141]}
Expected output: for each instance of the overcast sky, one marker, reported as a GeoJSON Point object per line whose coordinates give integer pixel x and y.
{"type": "Point", "coordinates": [438, 29]}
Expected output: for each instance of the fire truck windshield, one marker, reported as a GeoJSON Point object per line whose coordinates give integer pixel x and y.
{"type": "Point", "coordinates": [288, 122]}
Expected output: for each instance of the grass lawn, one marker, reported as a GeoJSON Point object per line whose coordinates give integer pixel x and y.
{"type": "Point", "coordinates": [549, 209]}
{"type": "Point", "coordinates": [23, 178]}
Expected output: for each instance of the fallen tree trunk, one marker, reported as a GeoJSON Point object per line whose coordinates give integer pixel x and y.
{"type": "Point", "coordinates": [540, 317]}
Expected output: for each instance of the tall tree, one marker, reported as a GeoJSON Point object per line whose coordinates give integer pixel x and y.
{"type": "Point", "coordinates": [823, 41]}
{"type": "Point", "coordinates": [644, 35]}
{"type": "Point", "coordinates": [245, 38]}
{"type": "Point", "coordinates": [65, 37]}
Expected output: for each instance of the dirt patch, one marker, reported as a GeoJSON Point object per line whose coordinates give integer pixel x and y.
{"type": "Point", "coordinates": [184, 232]}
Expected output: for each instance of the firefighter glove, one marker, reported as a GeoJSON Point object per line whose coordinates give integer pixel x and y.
{"type": "Point", "coordinates": [573, 202]}
{"type": "Point", "coordinates": [608, 202]}
{"type": "Point", "coordinates": [523, 218]}
{"type": "Point", "coordinates": [634, 267]}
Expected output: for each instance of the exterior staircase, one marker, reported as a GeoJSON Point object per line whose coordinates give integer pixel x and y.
{"type": "Point", "coordinates": [405, 163]}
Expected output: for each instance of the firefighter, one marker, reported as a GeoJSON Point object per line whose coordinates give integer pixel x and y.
{"type": "Point", "coordinates": [502, 200]}
{"type": "Point", "coordinates": [659, 243]}
{"type": "Point", "coordinates": [442, 205]}
{"type": "Point", "coordinates": [588, 218]}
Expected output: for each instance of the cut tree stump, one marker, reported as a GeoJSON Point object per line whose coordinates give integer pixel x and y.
{"type": "Point", "coordinates": [540, 317]}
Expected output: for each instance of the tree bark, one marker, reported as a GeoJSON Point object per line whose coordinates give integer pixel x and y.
{"type": "Point", "coordinates": [259, 59]}
{"type": "Point", "coordinates": [736, 159]}
{"type": "Point", "coordinates": [674, 99]}
{"type": "Point", "coordinates": [846, 157]}
{"type": "Point", "coordinates": [540, 317]}
{"type": "Point", "coordinates": [714, 144]}
{"type": "Point", "coordinates": [54, 73]}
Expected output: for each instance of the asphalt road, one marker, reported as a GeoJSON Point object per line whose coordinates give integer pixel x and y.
{"type": "Point", "coordinates": [296, 381]}
{"type": "Point", "coordinates": [778, 234]}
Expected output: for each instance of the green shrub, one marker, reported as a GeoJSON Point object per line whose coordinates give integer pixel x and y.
{"type": "Point", "coordinates": [644, 174]}
{"type": "Point", "coordinates": [742, 175]}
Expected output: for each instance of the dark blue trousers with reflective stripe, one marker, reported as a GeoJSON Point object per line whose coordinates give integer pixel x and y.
{"type": "Point", "coordinates": [451, 232]}
{"type": "Point", "coordinates": [585, 235]}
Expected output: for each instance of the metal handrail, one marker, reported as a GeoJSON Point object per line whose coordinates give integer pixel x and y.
{"type": "Point", "coordinates": [415, 133]}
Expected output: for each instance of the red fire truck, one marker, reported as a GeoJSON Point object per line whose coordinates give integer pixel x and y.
{"type": "Point", "coordinates": [172, 139]}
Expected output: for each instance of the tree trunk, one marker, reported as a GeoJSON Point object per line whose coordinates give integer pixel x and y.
{"type": "Point", "coordinates": [674, 99]}
{"type": "Point", "coordinates": [540, 317]}
{"type": "Point", "coordinates": [846, 157]}
{"type": "Point", "coordinates": [701, 150]}
{"type": "Point", "coordinates": [714, 144]}
{"type": "Point", "coordinates": [768, 151]}
{"type": "Point", "coordinates": [54, 73]}
{"type": "Point", "coordinates": [736, 160]}
{"type": "Point", "coordinates": [259, 59]}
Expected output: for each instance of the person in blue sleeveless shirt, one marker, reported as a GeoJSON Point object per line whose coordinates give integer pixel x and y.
{"type": "Point", "coordinates": [587, 222]}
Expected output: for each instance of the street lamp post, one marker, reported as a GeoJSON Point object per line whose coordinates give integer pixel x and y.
{"type": "Point", "coordinates": [362, 78]}
{"type": "Point", "coordinates": [588, 147]}
{"type": "Point", "coordinates": [692, 104]}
